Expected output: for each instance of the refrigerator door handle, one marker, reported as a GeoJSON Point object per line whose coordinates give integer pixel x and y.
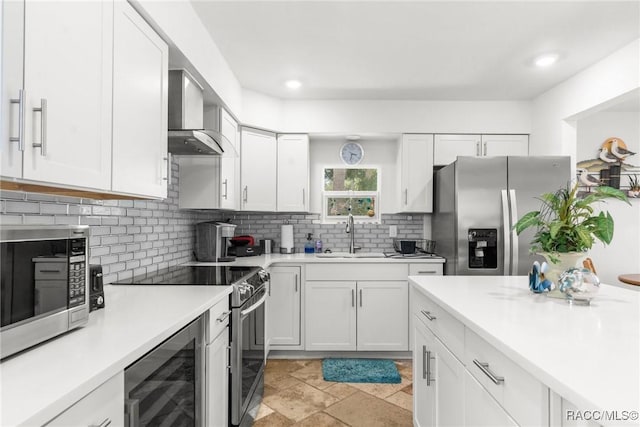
{"type": "Point", "coordinates": [506, 235]}
{"type": "Point", "coordinates": [514, 235]}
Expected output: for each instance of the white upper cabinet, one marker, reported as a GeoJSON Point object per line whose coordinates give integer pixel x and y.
{"type": "Point", "coordinates": [141, 165]}
{"type": "Point", "coordinates": [416, 173]}
{"type": "Point", "coordinates": [229, 164]}
{"type": "Point", "coordinates": [12, 103]}
{"type": "Point", "coordinates": [293, 173]}
{"type": "Point", "coordinates": [505, 145]}
{"type": "Point", "coordinates": [67, 93]}
{"type": "Point", "coordinates": [448, 147]}
{"type": "Point", "coordinates": [258, 171]}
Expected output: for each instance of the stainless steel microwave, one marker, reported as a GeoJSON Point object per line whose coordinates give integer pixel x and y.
{"type": "Point", "coordinates": [44, 288]}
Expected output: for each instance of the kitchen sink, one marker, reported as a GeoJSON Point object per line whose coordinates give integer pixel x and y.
{"type": "Point", "coordinates": [349, 255]}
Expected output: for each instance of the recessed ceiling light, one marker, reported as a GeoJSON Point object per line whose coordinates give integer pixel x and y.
{"type": "Point", "coordinates": [546, 60]}
{"type": "Point", "coordinates": [293, 84]}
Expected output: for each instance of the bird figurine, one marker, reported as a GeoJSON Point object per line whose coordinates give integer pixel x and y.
{"type": "Point", "coordinates": [586, 179]}
{"type": "Point", "coordinates": [537, 282]}
{"type": "Point", "coordinates": [607, 157]}
{"type": "Point", "coordinates": [620, 152]}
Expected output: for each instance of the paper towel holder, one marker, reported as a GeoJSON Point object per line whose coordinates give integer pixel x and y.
{"type": "Point", "coordinates": [290, 250]}
{"type": "Point", "coordinates": [286, 243]}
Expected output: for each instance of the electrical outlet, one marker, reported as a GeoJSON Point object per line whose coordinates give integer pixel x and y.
{"type": "Point", "coordinates": [393, 231]}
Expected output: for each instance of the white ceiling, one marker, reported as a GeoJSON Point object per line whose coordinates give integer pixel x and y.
{"type": "Point", "coordinates": [447, 50]}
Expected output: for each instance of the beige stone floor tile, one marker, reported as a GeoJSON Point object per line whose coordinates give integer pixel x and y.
{"type": "Point", "coordinates": [381, 390]}
{"type": "Point", "coordinates": [401, 399]}
{"type": "Point", "coordinates": [405, 368]}
{"type": "Point", "coordinates": [263, 411]}
{"type": "Point", "coordinates": [268, 390]}
{"type": "Point", "coordinates": [299, 401]}
{"type": "Point", "coordinates": [408, 389]}
{"type": "Point", "coordinates": [340, 390]}
{"type": "Point", "coordinates": [281, 382]}
{"type": "Point", "coordinates": [362, 409]}
{"type": "Point", "coordinates": [312, 374]}
{"type": "Point", "coordinates": [320, 419]}
{"type": "Point", "coordinates": [273, 420]}
{"type": "Point", "coordinates": [280, 366]}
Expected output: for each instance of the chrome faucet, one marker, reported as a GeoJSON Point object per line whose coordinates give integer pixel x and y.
{"type": "Point", "coordinates": [352, 233]}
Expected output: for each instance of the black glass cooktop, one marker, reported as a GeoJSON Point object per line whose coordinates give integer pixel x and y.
{"type": "Point", "coordinates": [192, 275]}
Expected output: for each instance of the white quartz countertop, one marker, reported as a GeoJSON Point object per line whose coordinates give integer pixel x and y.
{"type": "Point", "coordinates": [302, 258]}
{"type": "Point", "coordinates": [40, 383]}
{"type": "Point", "coordinates": [590, 355]}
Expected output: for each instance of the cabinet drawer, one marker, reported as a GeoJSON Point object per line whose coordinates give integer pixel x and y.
{"type": "Point", "coordinates": [442, 324]}
{"type": "Point", "coordinates": [430, 269]}
{"type": "Point", "coordinates": [357, 271]}
{"type": "Point", "coordinates": [218, 318]}
{"type": "Point", "coordinates": [103, 406]}
{"type": "Point", "coordinates": [522, 396]}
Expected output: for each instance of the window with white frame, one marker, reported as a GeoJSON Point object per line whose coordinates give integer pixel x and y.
{"type": "Point", "coordinates": [354, 189]}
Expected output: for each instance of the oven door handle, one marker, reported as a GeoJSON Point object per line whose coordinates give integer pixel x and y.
{"type": "Point", "coordinates": [254, 307]}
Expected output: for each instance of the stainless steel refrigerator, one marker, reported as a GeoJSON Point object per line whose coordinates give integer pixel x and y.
{"type": "Point", "coordinates": [476, 203]}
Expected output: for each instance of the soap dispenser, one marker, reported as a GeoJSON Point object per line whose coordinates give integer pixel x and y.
{"type": "Point", "coordinates": [309, 247]}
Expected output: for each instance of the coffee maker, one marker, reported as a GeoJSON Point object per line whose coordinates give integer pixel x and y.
{"type": "Point", "coordinates": [212, 241]}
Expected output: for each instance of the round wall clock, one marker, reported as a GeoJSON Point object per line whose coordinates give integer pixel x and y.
{"type": "Point", "coordinates": [351, 153]}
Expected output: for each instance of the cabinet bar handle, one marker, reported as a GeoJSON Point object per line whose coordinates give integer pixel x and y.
{"type": "Point", "coordinates": [406, 196]}
{"type": "Point", "coordinates": [429, 379]}
{"type": "Point", "coordinates": [360, 297]}
{"type": "Point", "coordinates": [427, 272]}
{"type": "Point", "coordinates": [424, 362]}
{"type": "Point", "coordinates": [223, 317]}
{"type": "Point", "coordinates": [246, 193]}
{"type": "Point", "coordinates": [225, 183]}
{"type": "Point", "coordinates": [168, 177]}
{"type": "Point", "coordinates": [105, 423]}
{"type": "Point", "coordinates": [296, 284]}
{"type": "Point", "coordinates": [43, 127]}
{"type": "Point", "coordinates": [353, 298]}
{"type": "Point", "coordinates": [478, 148]}
{"type": "Point", "coordinates": [428, 315]}
{"type": "Point", "coordinates": [484, 367]}
{"type": "Point", "coordinates": [303, 197]}
{"type": "Point", "coordinates": [20, 138]}
{"type": "Point", "coordinates": [485, 148]}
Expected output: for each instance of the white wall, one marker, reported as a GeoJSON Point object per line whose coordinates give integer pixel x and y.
{"type": "Point", "coordinates": [623, 255]}
{"type": "Point", "coordinates": [262, 111]}
{"type": "Point", "coordinates": [609, 78]}
{"type": "Point", "coordinates": [594, 129]}
{"type": "Point", "coordinates": [555, 130]}
{"type": "Point", "coordinates": [381, 153]}
{"type": "Point", "coordinates": [343, 116]}
{"type": "Point", "coordinates": [178, 23]}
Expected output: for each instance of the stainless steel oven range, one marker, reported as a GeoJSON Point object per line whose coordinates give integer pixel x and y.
{"type": "Point", "coordinates": [247, 359]}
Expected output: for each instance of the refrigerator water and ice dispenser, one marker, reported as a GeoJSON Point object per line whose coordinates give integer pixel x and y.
{"type": "Point", "coordinates": [483, 248]}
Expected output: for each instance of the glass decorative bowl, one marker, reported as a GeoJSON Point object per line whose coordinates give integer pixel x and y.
{"type": "Point", "coordinates": [579, 285]}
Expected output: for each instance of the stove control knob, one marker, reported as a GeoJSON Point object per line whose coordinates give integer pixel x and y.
{"type": "Point", "coordinates": [264, 276]}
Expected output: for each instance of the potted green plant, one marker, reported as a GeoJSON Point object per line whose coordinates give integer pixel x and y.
{"type": "Point", "coordinates": [634, 186]}
{"type": "Point", "coordinates": [567, 226]}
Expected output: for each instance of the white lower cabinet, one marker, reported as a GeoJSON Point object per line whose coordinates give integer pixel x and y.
{"type": "Point", "coordinates": [472, 382]}
{"type": "Point", "coordinates": [283, 312]}
{"type": "Point", "coordinates": [438, 381]}
{"type": "Point", "coordinates": [217, 380]}
{"type": "Point", "coordinates": [362, 315]}
{"type": "Point", "coordinates": [480, 409]}
{"type": "Point", "coordinates": [103, 406]}
{"type": "Point", "coordinates": [217, 366]}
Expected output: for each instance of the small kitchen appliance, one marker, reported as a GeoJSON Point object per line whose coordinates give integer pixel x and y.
{"type": "Point", "coordinates": [213, 241]}
{"type": "Point", "coordinates": [242, 246]}
{"type": "Point", "coordinates": [96, 291]}
{"type": "Point", "coordinates": [45, 283]}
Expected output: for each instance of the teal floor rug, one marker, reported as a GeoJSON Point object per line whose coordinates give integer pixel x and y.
{"type": "Point", "coordinates": [360, 371]}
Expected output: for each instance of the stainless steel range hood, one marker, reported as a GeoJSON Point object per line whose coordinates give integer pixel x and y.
{"type": "Point", "coordinates": [186, 133]}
